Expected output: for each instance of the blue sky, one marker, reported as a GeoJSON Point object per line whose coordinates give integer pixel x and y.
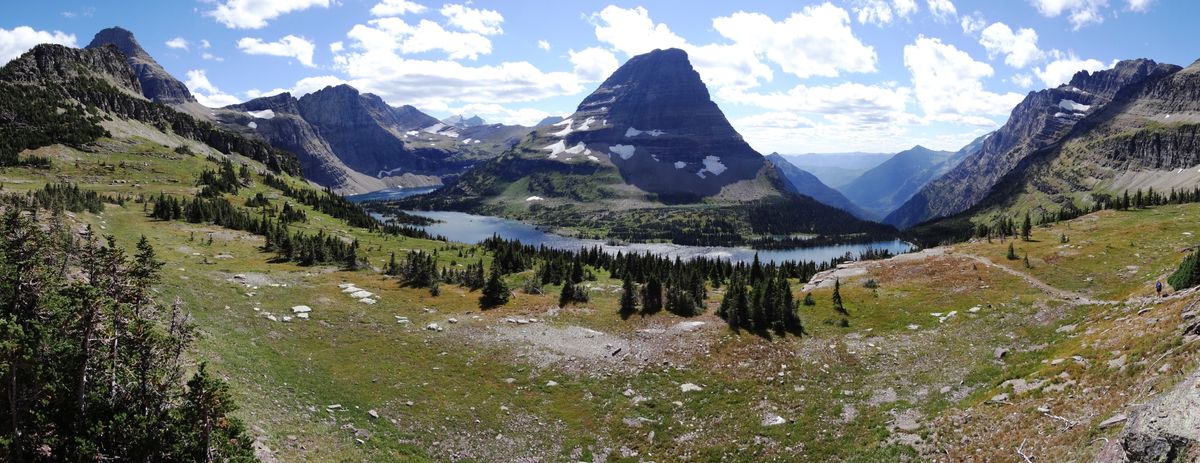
{"type": "Point", "coordinates": [793, 76]}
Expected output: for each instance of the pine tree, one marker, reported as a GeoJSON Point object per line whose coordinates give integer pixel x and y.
{"type": "Point", "coordinates": [567, 294]}
{"type": "Point", "coordinates": [808, 299]}
{"type": "Point", "coordinates": [629, 298]}
{"type": "Point", "coordinates": [495, 291]}
{"type": "Point", "coordinates": [652, 296]}
{"type": "Point", "coordinates": [837, 298]}
{"type": "Point", "coordinates": [1012, 252]}
{"type": "Point", "coordinates": [1188, 273]}
{"type": "Point", "coordinates": [1026, 228]}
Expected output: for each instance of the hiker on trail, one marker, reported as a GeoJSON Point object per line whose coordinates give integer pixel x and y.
{"type": "Point", "coordinates": [1158, 287]}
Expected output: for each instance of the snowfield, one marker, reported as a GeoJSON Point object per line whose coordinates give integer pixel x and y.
{"type": "Point", "coordinates": [264, 114]}
{"type": "Point", "coordinates": [624, 151]}
{"type": "Point", "coordinates": [1072, 105]}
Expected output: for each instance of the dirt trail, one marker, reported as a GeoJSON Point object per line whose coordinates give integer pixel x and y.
{"type": "Point", "coordinates": [1071, 297]}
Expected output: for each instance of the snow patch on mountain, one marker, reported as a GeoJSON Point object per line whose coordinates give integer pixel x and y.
{"type": "Point", "coordinates": [1072, 105]}
{"type": "Point", "coordinates": [578, 148]}
{"type": "Point", "coordinates": [713, 165]}
{"type": "Point", "coordinates": [264, 114]}
{"type": "Point", "coordinates": [633, 132]}
{"type": "Point", "coordinates": [556, 148]}
{"type": "Point", "coordinates": [680, 164]}
{"type": "Point", "coordinates": [625, 151]}
{"type": "Point", "coordinates": [252, 124]}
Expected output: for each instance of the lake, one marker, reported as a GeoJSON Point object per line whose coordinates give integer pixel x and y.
{"type": "Point", "coordinates": [470, 228]}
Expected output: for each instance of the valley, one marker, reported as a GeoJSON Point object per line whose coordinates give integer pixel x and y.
{"type": "Point", "coordinates": [329, 273]}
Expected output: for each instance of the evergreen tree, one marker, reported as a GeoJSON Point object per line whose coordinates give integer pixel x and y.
{"type": "Point", "coordinates": [1188, 273]}
{"type": "Point", "coordinates": [808, 299]}
{"type": "Point", "coordinates": [1026, 228]}
{"type": "Point", "coordinates": [1012, 252]}
{"type": "Point", "coordinates": [837, 298]}
{"type": "Point", "coordinates": [629, 298]}
{"type": "Point", "coordinates": [652, 296]}
{"type": "Point", "coordinates": [495, 291]}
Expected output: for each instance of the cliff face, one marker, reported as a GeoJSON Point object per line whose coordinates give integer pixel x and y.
{"type": "Point", "coordinates": [1042, 119]}
{"type": "Point", "coordinates": [58, 65]}
{"type": "Point", "coordinates": [157, 84]}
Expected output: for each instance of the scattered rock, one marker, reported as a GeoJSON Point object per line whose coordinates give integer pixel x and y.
{"type": "Point", "coordinates": [689, 387]}
{"type": "Point", "coordinates": [452, 320]}
{"type": "Point", "coordinates": [1066, 328]}
{"type": "Point", "coordinates": [433, 327]}
{"type": "Point", "coordinates": [551, 383]}
{"type": "Point", "coordinates": [771, 419]}
{"type": "Point", "coordinates": [999, 398]}
{"type": "Point", "coordinates": [373, 414]}
{"type": "Point", "coordinates": [301, 309]}
{"type": "Point", "coordinates": [1000, 352]}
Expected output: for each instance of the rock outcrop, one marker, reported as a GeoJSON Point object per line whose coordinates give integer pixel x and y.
{"type": "Point", "coordinates": [1167, 429]}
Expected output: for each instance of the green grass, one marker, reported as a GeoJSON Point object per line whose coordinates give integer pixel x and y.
{"type": "Point", "coordinates": [286, 374]}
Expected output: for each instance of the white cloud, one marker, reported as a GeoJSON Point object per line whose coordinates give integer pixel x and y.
{"type": "Point", "coordinates": [1019, 48]}
{"type": "Point", "coordinates": [973, 23]}
{"type": "Point", "coordinates": [178, 43]}
{"type": "Point", "coordinates": [21, 38]}
{"type": "Point", "coordinates": [632, 32]}
{"type": "Point", "coordinates": [1064, 67]}
{"type": "Point", "coordinates": [816, 41]}
{"type": "Point", "coordinates": [948, 85]}
{"type": "Point", "coordinates": [942, 9]}
{"type": "Point", "coordinates": [1079, 13]}
{"type": "Point", "coordinates": [494, 113]}
{"type": "Point", "coordinates": [303, 87]}
{"type": "Point", "coordinates": [848, 103]}
{"type": "Point", "coordinates": [880, 13]}
{"type": "Point", "coordinates": [1140, 6]}
{"type": "Point", "coordinates": [544, 45]}
{"type": "Point", "coordinates": [337, 47]}
{"type": "Point", "coordinates": [254, 14]}
{"type": "Point", "coordinates": [593, 64]}
{"type": "Point", "coordinates": [374, 61]}
{"type": "Point", "coordinates": [1022, 80]}
{"type": "Point", "coordinates": [205, 92]}
{"type": "Point", "coordinates": [289, 46]}
{"type": "Point", "coordinates": [211, 57]}
{"type": "Point", "coordinates": [205, 44]}
{"type": "Point", "coordinates": [485, 22]}
{"type": "Point", "coordinates": [397, 8]}
{"type": "Point", "coordinates": [394, 34]}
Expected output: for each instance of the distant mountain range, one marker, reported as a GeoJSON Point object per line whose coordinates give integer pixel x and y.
{"type": "Point", "coordinates": [888, 185]}
{"type": "Point", "coordinates": [350, 141]}
{"type": "Point", "coordinates": [837, 169]}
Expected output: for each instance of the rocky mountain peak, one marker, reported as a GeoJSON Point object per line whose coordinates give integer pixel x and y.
{"type": "Point", "coordinates": [1107, 82]}
{"type": "Point", "coordinates": [48, 63]}
{"type": "Point", "coordinates": [653, 118]}
{"type": "Point", "coordinates": [156, 83]}
{"type": "Point", "coordinates": [280, 103]}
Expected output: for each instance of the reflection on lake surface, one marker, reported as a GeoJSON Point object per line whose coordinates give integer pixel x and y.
{"type": "Point", "coordinates": [470, 228]}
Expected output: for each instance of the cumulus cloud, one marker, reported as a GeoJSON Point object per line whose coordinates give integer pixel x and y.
{"type": "Point", "coordinates": [544, 45]}
{"type": "Point", "coordinates": [1079, 13]}
{"type": "Point", "coordinates": [942, 9]}
{"type": "Point", "coordinates": [494, 113]}
{"type": "Point", "coordinates": [947, 84]}
{"type": "Point", "coordinates": [1064, 66]}
{"type": "Point", "coordinates": [1019, 48]}
{"type": "Point", "coordinates": [1022, 80]}
{"type": "Point", "coordinates": [632, 32]}
{"type": "Point", "coordinates": [394, 34]}
{"type": "Point", "coordinates": [593, 63]}
{"type": "Point", "coordinates": [973, 23]}
{"type": "Point", "coordinates": [178, 43]}
{"type": "Point", "coordinates": [303, 87]}
{"type": "Point", "coordinates": [816, 41]}
{"type": "Point", "coordinates": [848, 103]}
{"type": "Point", "coordinates": [289, 46]}
{"type": "Point", "coordinates": [205, 92]}
{"type": "Point", "coordinates": [485, 22]}
{"type": "Point", "coordinates": [1140, 6]}
{"type": "Point", "coordinates": [880, 12]}
{"type": "Point", "coordinates": [255, 14]}
{"type": "Point", "coordinates": [21, 38]}
{"type": "Point", "coordinates": [397, 8]}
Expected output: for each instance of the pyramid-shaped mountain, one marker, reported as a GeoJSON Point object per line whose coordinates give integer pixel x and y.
{"type": "Point", "coordinates": [157, 84]}
{"type": "Point", "coordinates": [648, 145]}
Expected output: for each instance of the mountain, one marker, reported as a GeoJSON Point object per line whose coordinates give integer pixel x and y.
{"type": "Point", "coordinates": [646, 156]}
{"type": "Point", "coordinates": [837, 169]}
{"type": "Point", "coordinates": [885, 187]}
{"type": "Point", "coordinates": [463, 122]}
{"type": "Point", "coordinates": [355, 142]}
{"type": "Point", "coordinates": [804, 183]}
{"type": "Point", "coordinates": [157, 84]}
{"type": "Point", "coordinates": [1039, 121]}
{"type": "Point", "coordinates": [1144, 138]}
{"type": "Point", "coordinates": [55, 94]}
